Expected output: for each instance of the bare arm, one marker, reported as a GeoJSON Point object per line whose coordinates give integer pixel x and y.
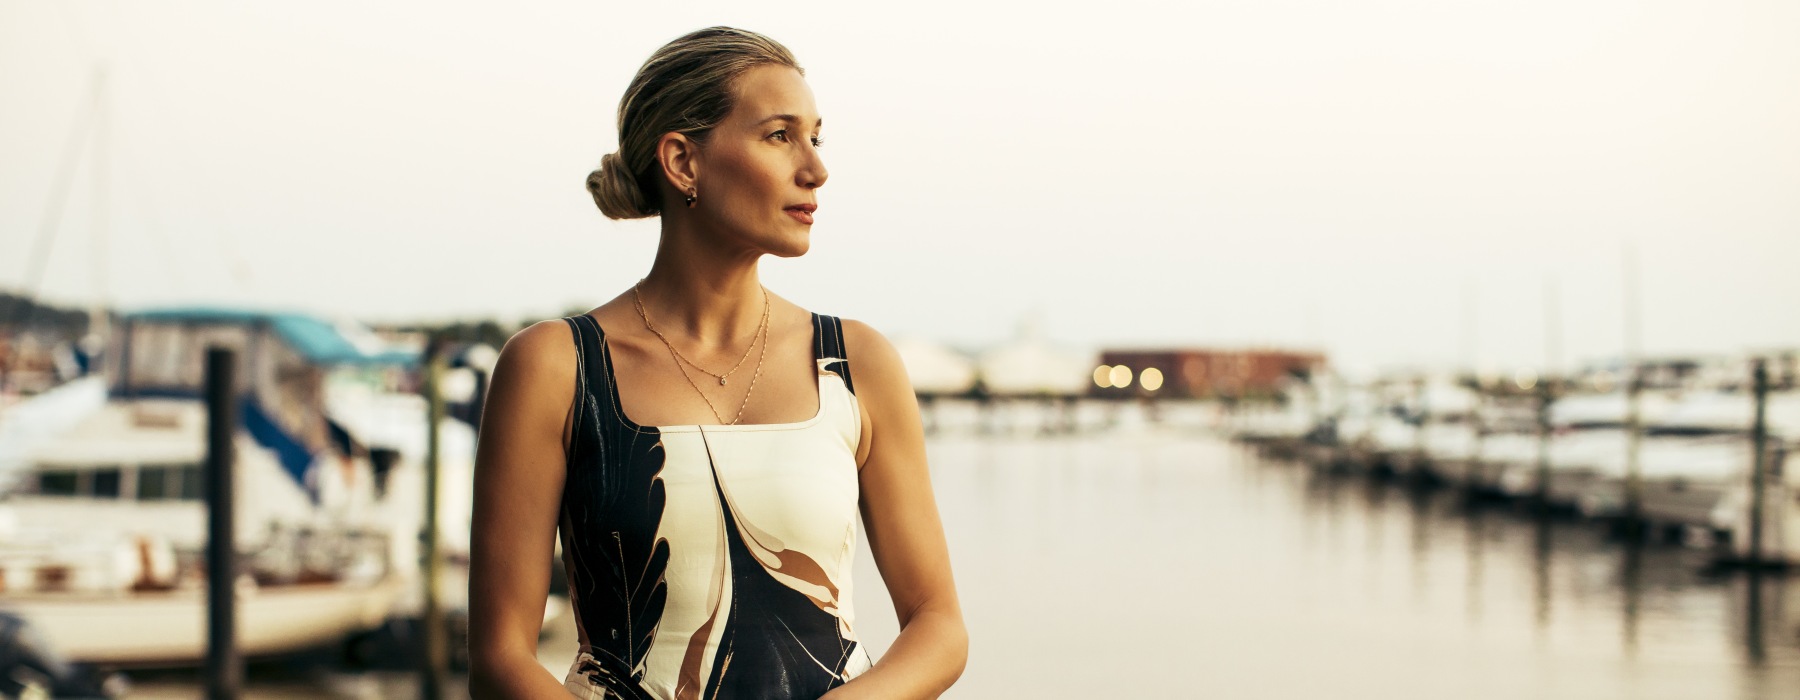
{"type": "Point", "coordinates": [518, 489]}
{"type": "Point", "coordinates": [901, 516]}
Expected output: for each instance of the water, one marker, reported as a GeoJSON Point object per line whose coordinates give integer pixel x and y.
{"type": "Point", "coordinates": [1158, 565]}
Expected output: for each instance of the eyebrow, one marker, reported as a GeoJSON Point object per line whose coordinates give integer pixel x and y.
{"type": "Point", "coordinates": [788, 118]}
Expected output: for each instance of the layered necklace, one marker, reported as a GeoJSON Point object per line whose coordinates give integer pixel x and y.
{"type": "Point", "coordinates": [682, 363]}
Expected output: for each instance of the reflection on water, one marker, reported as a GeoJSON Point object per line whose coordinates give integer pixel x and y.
{"type": "Point", "coordinates": [1163, 566]}
{"type": "Point", "coordinates": [1159, 566]}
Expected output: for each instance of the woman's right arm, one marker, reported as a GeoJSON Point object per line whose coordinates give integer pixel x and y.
{"type": "Point", "coordinates": [519, 465]}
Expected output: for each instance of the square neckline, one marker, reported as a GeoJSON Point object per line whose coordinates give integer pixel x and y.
{"type": "Point", "coordinates": [618, 402]}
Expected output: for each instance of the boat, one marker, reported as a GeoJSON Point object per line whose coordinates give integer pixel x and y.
{"type": "Point", "coordinates": [1587, 432]}
{"type": "Point", "coordinates": [1694, 458]}
{"type": "Point", "coordinates": [133, 600]}
{"type": "Point", "coordinates": [1445, 414]}
{"type": "Point", "coordinates": [103, 530]}
{"type": "Point", "coordinates": [30, 669]}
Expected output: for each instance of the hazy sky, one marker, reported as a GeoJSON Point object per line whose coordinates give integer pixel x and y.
{"type": "Point", "coordinates": [1374, 177]}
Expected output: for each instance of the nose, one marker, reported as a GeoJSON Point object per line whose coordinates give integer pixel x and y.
{"type": "Point", "coordinates": [812, 172]}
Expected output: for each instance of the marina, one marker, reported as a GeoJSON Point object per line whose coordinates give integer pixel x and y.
{"type": "Point", "coordinates": [1239, 515]}
{"type": "Point", "coordinates": [1177, 558]}
{"type": "Point", "coordinates": [1182, 565]}
{"type": "Point", "coordinates": [1315, 350]}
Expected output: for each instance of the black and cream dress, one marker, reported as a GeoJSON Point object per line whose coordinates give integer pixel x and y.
{"type": "Point", "coordinates": [711, 561]}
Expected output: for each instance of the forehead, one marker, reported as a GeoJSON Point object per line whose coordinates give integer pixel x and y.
{"type": "Point", "coordinates": [768, 90]}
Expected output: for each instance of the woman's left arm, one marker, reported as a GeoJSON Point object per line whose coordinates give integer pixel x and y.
{"type": "Point", "coordinates": [901, 519]}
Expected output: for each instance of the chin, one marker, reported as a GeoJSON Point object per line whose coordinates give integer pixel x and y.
{"type": "Point", "coordinates": [791, 244]}
{"type": "Point", "coordinates": [791, 249]}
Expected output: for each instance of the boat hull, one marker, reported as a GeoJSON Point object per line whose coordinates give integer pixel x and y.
{"type": "Point", "coordinates": [168, 628]}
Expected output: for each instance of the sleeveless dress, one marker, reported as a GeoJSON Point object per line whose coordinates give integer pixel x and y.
{"type": "Point", "coordinates": [711, 561]}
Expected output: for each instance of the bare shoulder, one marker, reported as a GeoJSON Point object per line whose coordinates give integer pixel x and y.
{"type": "Point", "coordinates": [874, 358]}
{"type": "Point", "coordinates": [892, 433]}
{"type": "Point", "coordinates": [533, 385]}
{"type": "Point", "coordinates": [541, 351]}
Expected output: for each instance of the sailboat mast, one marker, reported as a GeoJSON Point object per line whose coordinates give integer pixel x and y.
{"type": "Point", "coordinates": [98, 314]}
{"type": "Point", "coordinates": [1634, 387]}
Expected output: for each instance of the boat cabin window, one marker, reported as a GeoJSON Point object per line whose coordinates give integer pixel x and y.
{"type": "Point", "coordinates": [153, 483]}
{"type": "Point", "coordinates": [104, 483]}
{"type": "Point", "coordinates": [58, 483]}
{"type": "Point", "coordinates": [160, 482]}
{"type": "Point", "coordinates": [86, 483]}
{"type": "Point", "coordinates": [193, 483]}
{"type": "Point", "coordinates": [169, 355]}
{"type": "Point", "coordinates": [170, 483]}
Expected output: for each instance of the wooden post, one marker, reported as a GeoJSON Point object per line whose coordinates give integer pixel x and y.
{"type": "Point", "coordinates": [224, 668]}
{"type": "Point", "coordinates": [1473, 471]}
{"type": "Point", "coordinates": [436, 665]}
{"type": "Point", "coordinates": [1634, 437]}
{"type": "Point", "coordinates": [1634, 389]}
{"type": "Point", "coordinates": [1415, 463]}
{"type": "Point", "coordinates": [1759, 437]}
{"type": "Point", "coordinates": [1544, 398]}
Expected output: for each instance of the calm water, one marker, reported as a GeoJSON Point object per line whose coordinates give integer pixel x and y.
{"type": "Point", "coordinates": [1155, 565]}
{"type": "Point", "coordinates": [1187, 567]}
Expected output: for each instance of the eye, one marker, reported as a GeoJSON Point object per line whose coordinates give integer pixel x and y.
{"type": "Point", "coordinates": [818, 142]}
{"type": "Point", "coordinates": [779, 135]}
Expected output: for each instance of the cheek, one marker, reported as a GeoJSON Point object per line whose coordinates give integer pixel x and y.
{"type": "Point", "coordinates": [756, 183]}
{"type": "Point", "coordinates": [758, 178]}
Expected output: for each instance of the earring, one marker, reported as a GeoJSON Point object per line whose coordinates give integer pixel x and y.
{"type": "Point", "coordinates": [691, 197]}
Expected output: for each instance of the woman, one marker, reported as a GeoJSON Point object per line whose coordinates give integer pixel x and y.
{"type": "Point", "coordinates": [702, 446]}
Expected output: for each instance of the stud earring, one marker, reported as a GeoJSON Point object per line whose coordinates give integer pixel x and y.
{"type": "Point", "coordinates": [691, 197]}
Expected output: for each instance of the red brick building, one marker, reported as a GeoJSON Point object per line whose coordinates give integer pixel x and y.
{"type": "Point", "coordinates": [1198, 373]}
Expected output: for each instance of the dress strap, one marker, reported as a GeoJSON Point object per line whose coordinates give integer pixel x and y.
{"type": "Point", "coordinates": [582, 343]}
{"type": "Point", "coordinates": [594, 372]}
{"type": "Point", "coordinates": [828, 343]}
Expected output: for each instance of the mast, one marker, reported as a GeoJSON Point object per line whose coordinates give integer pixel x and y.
{"type": "Point", "coordinates": [98, 316]}
{"type": "Point", "coordinates": [1634, 386]}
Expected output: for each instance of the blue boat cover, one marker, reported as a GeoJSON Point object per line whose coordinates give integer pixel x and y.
{"type": "Point", "coordinates": [315, 339]}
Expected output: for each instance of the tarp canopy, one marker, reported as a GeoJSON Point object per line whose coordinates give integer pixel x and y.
{"type": "Point", "coordinates": [315, 339]}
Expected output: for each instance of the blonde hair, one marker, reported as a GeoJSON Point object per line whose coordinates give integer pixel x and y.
{"type": "Point", "coordinates": [685, 87]}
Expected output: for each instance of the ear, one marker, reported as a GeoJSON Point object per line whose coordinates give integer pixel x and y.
{"type": "Point", "coordinates": [679, 157]}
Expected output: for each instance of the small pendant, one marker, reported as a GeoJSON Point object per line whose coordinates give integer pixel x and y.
{"type": "Point", "coordinates": [721, 381]}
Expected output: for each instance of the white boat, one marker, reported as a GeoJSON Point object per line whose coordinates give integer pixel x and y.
{"type": "Point", "coordinates": [136, 467]}
{"type": "Point", "coordinates": [1587, 432]}
{"type": "Point", "coordinates": [101, 536]}
{"type": "Point", "coordinates": [1287, 422]}
{"type": "Point", "coordinates": [1507, 456]}
{"type": "Point", "coordinates": [397, 421]}
{"type": "Point", "coordinates": [1393, 442]}
{"type": "Point", "coordinates": [1451, 445]}
{"type": "Point", "coordinates": [1693, 458]}
{"type": "Point", "coordinates": [118, 599]}
{"type": "Point", "coordinates": [28, 424]}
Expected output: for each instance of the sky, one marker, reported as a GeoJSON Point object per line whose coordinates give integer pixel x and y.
{"type": "Point", "coordinates": [1396, 183]}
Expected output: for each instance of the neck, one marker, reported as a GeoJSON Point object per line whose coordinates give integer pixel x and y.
{"type": "Point", "coordinates": [699, 291]}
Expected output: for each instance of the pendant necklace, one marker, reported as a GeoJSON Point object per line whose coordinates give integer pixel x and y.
{"type": "Point", "coordinates": [682, 362]}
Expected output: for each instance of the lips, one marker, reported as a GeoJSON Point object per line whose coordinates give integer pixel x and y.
{"type": "Point", "coordinates": [802, 212]}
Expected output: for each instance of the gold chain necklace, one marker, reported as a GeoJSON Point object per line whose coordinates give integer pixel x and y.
{"type": "Point", "coordinates": [638, 298]}
{"type": "Point", "coordinates": [762, 338]}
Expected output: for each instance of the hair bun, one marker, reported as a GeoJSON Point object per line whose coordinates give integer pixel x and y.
{"type": "Point", "coordinates": [616, 190]}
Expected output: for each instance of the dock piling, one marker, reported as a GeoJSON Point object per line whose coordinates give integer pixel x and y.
{"type": "Point", "coordinates": [224, 667]}
{"type": "Point", "coordinates": [1634, 438]}
{"type": "Point", "coordinates": [1759, 433]}
{"type": "Point", "coordinates": [436, 662]}
{"type": "Point", "coordinates": [1545, 397]}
